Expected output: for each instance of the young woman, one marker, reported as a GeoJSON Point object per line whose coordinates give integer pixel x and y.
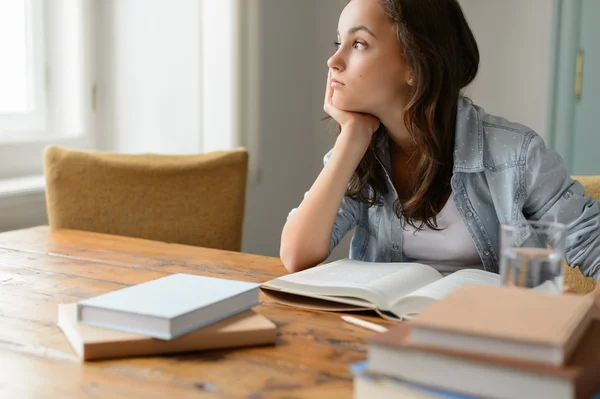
{"type": "Point", "coordinates": [420, 171]}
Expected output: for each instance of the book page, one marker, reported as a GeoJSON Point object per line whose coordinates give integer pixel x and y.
{"type": "Point", "coordinates": [441, 288]}
{"type": "Point", "coordinates": [414, 302]}
{"type": "Point", "coordinates": [379, 283]}
{"type": "Point", "coordinates": [408, 278]}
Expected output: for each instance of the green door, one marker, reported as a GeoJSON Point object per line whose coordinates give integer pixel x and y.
{"type": "Point", "coordinates": [585, 156]}
{"type": "Point", "coordinates": [575, 104]}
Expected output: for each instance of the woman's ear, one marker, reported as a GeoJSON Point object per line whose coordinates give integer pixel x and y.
{"type": "Point", "coordinates": [410, 78]}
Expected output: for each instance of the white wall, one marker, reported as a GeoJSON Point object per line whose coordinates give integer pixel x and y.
{"type": "Point", "coordinates": [289, 107]}
{"type": "Point", "coordinates": [514, 38]}
{"type": "Point", "coordinates": [150, 95]}
{"type": "Point", "coordinates": [22, 203]}
{"type": "Point", "coordinates": [148, 88]}
{"type": "Point", "coordinates": [297, 39]}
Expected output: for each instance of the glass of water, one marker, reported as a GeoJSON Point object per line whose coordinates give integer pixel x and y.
{"type": "Point", "coordinates": [532, 254]}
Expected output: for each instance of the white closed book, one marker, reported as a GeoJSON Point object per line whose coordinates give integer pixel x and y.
{"type": "Point", "coordinates": [169, 307]}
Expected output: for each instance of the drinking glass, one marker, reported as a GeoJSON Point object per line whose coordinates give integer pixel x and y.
{"type": "Point", "coordinates": [532, 254]}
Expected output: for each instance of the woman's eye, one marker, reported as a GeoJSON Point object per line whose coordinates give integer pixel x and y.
{"type": "Point", "coordinates": [359, 45]}
{"type": "Point", "coordinates": [337, 44]}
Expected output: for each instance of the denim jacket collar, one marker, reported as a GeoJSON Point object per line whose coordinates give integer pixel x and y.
{"type": "Point", "coordinates": [468, 142]}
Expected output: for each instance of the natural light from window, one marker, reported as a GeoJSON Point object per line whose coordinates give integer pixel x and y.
{"type": "Point", "coordinates": [15, 87]}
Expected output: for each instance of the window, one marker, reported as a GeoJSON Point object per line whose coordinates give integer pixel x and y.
{"type": "Point", "coordinates": [22, 66]}
{"type": "Point", "coordinates": [46, 81]}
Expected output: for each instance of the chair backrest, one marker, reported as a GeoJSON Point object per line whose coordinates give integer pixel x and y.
{"type": "Point", "coordinates": [186, 199]}
{"type": "Point", "coordinates": [573, 277]}
{"type": "Point", "coordinates": [591, 185]}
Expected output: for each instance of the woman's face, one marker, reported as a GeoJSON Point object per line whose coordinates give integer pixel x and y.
{"type": "Point", "coordinates": [368, 71]}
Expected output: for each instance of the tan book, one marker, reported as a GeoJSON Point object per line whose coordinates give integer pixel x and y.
{"type": "Point", "coordinates": [506, 321]}
{"type": "Point", "coordinates": [93, 343]}
{"type": "Point", "coordinates": [394, 354]}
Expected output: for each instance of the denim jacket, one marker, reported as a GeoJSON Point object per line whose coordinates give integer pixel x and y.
{"type": "Point", "coordinates": [503, 173]}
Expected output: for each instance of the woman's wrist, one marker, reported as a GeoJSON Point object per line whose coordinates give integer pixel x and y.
{"type": "Point", "coordinates": [355, 137]}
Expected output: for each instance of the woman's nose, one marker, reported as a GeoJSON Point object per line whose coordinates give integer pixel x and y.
{"type": "Point", "coordinates": [336, 62]}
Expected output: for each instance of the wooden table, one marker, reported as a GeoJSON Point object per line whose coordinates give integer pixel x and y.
{"type": "Point", "coordinates": [40, 268]}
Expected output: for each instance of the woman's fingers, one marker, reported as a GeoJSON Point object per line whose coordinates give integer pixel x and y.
{"type": "Point", "coordinates": [328, 93]}
{"type": "Point", "coordinates": [328, 106]}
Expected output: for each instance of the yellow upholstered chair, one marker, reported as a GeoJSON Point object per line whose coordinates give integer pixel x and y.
{"type": "Point", "coordinates": [573, 277]}
{"type": "Point", "coordinates": [185, 199]}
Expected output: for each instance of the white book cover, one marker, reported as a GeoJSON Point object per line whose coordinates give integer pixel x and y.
{"type": "Point", "coordinates": [170, 306]}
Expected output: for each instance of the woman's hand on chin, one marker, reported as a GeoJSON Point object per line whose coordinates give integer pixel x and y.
{"type": "Point", "coordinates": [356, 124]}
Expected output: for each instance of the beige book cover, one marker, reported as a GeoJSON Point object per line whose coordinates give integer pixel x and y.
{"type": "Point", "coordinates": [94, 343]}
{"type": "Point", "coordinates": [506, 321]}
{"type": "Point", "coordinates": [394, 353]}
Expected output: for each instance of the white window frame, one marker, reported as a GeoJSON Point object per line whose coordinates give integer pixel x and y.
{"type": "Point", "coordinates": [21, 151]}
{"type": "Point", "coordinates": [33, 122]}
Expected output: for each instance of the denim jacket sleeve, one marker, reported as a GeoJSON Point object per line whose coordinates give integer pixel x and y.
{"type": "Point", "coordinates": [346, 218]}
{"type": "Point", "coordinates": [552, 195]}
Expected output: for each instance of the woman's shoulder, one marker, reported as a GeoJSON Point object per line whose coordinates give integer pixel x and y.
{"type": "Point", "coordinates": [495, 125]}
{"type": "Point", "coordinates": [503, 142]}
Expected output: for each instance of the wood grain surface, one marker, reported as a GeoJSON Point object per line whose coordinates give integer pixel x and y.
{"type": "Point", "coordinates": [40, 268]}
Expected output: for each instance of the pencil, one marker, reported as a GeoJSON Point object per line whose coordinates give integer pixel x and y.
{"type": "Point", "coordinates": [365, 324]}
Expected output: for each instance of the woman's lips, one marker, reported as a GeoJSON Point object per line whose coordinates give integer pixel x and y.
{"type": "Point", "coordinates": [336, 84]}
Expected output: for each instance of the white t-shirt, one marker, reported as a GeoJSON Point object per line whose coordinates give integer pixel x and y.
{"type": "Point", "coordinates": [447, 250]}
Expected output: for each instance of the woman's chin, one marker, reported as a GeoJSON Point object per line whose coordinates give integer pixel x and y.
{"type": "Point", "coordinates": [346, 104]}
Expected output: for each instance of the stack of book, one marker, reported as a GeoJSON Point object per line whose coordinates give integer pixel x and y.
{"type": "Point", "coordinates": [490, 342]}
{"type": "Point", "coordinates": [177, 313]}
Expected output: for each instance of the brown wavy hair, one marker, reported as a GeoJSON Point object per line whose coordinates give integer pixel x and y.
{"type": "Point", "coordinates": [440, 48]}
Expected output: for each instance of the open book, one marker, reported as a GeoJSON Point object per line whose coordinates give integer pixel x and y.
{"type": "Point", "coordinates": [394, 290]}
